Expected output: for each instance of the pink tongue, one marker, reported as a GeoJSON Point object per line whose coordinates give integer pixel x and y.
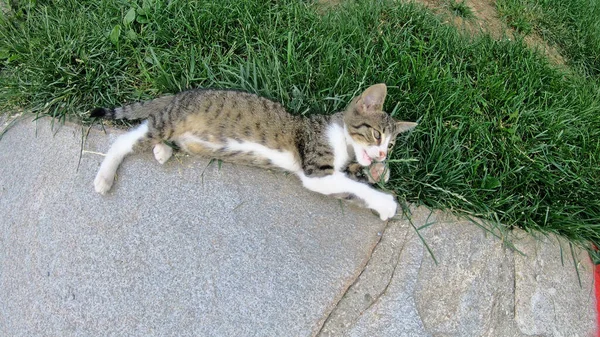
{"type": "Point", "coordinates": [366, 157]}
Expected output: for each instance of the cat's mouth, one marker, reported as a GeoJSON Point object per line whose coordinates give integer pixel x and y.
{"type": "Point", "coordinates": [367, 159]}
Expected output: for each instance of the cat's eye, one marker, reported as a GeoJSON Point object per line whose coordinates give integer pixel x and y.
{"type": "Point", "coordinates": [376, 134]}
{"type": "Point", "coordinates": [390, 145]}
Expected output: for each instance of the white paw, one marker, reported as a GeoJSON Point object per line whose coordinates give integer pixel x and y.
{"type": "Point", "coordinates": [102, 183]}
{"type": "Point", "coordinates": [385, 205]}
{"type": "Point", "coordinates": [162, 152]}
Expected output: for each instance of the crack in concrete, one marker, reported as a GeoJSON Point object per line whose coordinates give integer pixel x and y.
{"type": "Point", "coordinates": [350, 301]}
{"type": "Point", "coordinates": [364, 267]}
{"type": "Point", "coordinates": [385, 289]}
{"type": "Point", "coordinates": [417, 309]}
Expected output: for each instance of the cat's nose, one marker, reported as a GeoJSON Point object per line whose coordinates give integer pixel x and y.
{"type": "Point", "coordinates": [382, 155]}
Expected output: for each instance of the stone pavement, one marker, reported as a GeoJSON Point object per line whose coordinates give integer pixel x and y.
{"type": "Point", "coordinates": [192, 249]}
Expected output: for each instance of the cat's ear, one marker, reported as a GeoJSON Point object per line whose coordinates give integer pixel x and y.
{"type": "Point", "coordinates": [402, 126]}
{"type": "Point", "coordinates": [372, 98]}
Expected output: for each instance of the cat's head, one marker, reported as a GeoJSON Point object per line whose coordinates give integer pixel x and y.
{"type": "Point", "coordinates": [372, 132]}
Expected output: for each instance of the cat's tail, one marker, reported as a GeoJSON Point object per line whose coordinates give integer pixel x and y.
{"type": "Point", "coordinates": [138, 110]}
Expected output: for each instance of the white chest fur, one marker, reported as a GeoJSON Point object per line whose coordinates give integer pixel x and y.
{"type": "Point", "coordinates": [337, 140]}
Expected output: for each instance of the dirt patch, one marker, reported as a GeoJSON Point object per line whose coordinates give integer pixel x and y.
{"type": "Point", "coordinates": [486, 20]}
{"type": "Point", "coordinates": [535, 41]}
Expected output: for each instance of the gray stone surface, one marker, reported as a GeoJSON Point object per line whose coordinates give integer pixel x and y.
{"type": "Point", "coordinates": [547, 287]}
{"type": "Point", "coordinates": [480, 286]}
{"type": "Point", "coordinates": [191, 249]}
{"type": "Point", "coordinates": [470, 292]}
{"type": "Point", "coordinates": [238, 252]}
{"type": "Point", "coordinates": [374, 283]}
{"type": "Point", "coordinates": [395, 311]}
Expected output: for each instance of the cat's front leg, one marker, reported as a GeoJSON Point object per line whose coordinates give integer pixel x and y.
{"type": "Point", "coordinates": [338, 183]}
{"type": "Point", "coordinates": [384, 204]}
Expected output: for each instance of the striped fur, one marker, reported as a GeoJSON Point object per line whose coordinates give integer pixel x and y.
{"type": "Point", "coordinates": [248, 129]}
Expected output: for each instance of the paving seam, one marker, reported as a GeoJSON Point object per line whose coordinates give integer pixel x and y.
{"type": "Point", "coordinates": [364, 266]}
{"type": "Point", "coordinates": [384, 291]}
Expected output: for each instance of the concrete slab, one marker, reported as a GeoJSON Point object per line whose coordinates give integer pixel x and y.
{"type": "Point", "coordinates": [176, 250]}
{"type": "Point", "coordinates": [553, 287]}
{"type": "Point", "coordinates": [191, 249]}
{"type": "Point", "coordinates": [480, 285]}
{"type": "Point", "coordinates": [352, 316]}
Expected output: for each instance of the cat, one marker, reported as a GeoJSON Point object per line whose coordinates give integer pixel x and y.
{"type": "Point", "coordinates": [241, 127]}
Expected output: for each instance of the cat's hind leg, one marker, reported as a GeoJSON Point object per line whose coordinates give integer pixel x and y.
{"type": "Point", "coordinates": [162, 152]}
{"type": "Point", "coordinates": [123, 145]}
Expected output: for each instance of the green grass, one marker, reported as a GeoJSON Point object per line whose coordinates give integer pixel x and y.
{"type": "Point", "coordinates": [519, 15]}
{"type": "Point", "coordinates": [571, 25]}
{"type": "Point", "coordinates": [502, 134]}
{"type": "Point", "coordinates": [461, 9]}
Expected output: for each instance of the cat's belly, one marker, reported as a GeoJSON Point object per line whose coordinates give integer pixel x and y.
{"type": "Point", "coordinates": [239, 151]}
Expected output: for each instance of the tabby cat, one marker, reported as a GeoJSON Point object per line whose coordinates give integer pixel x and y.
{"type": "Point", "coordinates": [244, 128]}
